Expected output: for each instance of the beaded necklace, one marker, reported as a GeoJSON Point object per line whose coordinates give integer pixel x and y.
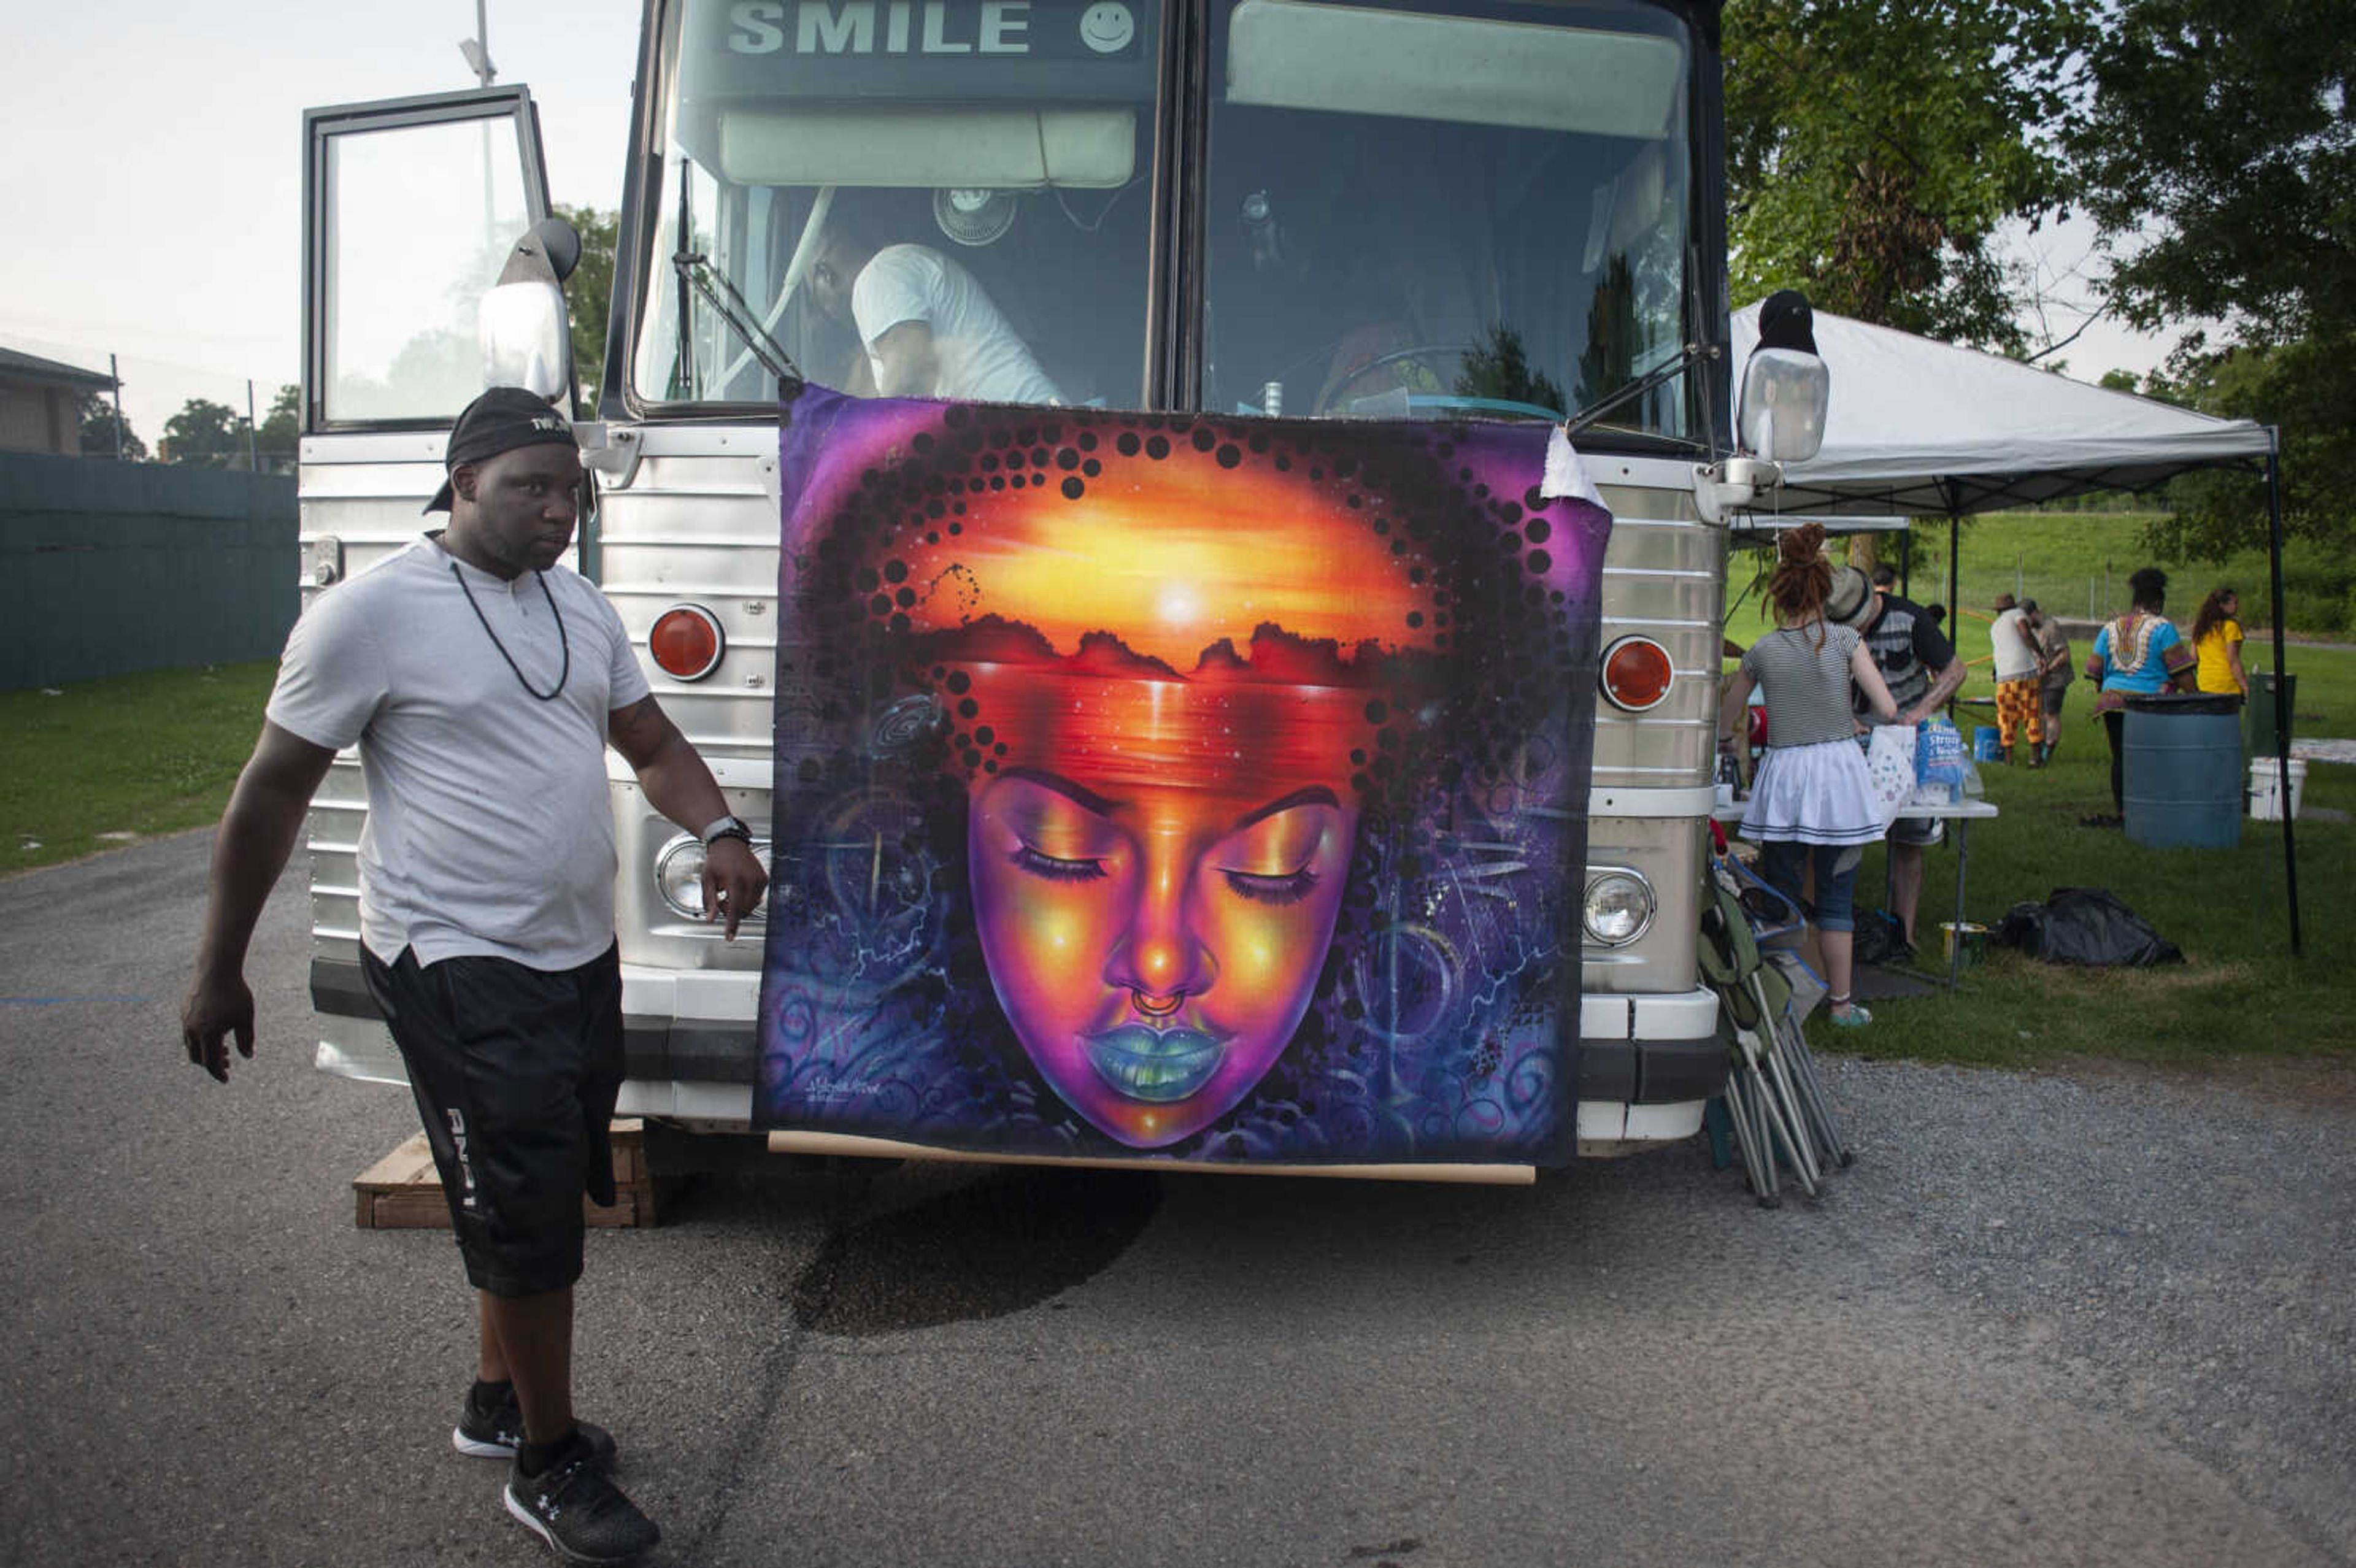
{"type": "Point", "coordinates": [564, 671]}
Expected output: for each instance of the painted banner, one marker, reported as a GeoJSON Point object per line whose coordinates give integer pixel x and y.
{"type": "Point", "coordinates": [1176, 786]}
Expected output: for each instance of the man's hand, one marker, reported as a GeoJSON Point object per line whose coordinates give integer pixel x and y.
{"type": "Point", "coordinates": [257, 834]}
{"type": "Point", "coordinates": [217, 1007]}
{"type": "Point", "coordinates": [733, 883]}
{"type": "Point", "coordinates": [681, 787]}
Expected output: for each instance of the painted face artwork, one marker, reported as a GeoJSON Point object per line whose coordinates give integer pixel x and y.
{"type": "Point", "coordinates": [1153, 952]}
{"type": "Point", "coordinates": [1159, 839]}
{"type": "Point", "coordinates": [1091, 717]}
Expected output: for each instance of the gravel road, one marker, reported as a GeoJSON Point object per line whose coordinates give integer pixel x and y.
{"type": "Point", "coordinates": [2180, 1256]}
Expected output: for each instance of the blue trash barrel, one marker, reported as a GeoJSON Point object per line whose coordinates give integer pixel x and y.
{"type": "Point", "coordinates": [2182, 770]}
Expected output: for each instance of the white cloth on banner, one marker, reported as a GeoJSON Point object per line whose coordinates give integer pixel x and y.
{"type": "Point", "coordinates": [1816, 794]}
{"type": "Point", "coordinates": [1565, 474]}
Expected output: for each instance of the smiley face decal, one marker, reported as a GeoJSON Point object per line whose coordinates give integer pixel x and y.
{"type": "Point", "coordinates": [1107, 26]}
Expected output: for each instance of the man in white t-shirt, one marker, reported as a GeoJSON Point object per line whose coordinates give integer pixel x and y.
{"type": "Point", "coordinates": [929, 329]}
{"type": "Point", "coordinates": [2017, 706]}
{"type": "Point", "coordinates": [482, 683]}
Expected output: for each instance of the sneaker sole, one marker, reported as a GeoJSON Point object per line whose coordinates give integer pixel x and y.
{"type": "Point", "coordinates": [523, 1515]}
{"type": "Point", "coordinates": [475, 1448]}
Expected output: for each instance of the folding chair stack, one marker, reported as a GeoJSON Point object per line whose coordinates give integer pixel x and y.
{"type": "Point", "coordinates": [1774, 1100]}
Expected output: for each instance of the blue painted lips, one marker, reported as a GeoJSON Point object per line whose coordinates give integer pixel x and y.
{"type": "Point", "coordinates": [1158, 1066]}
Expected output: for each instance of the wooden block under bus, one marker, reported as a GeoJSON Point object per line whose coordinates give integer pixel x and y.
{"type": "Point", "coordinates": [403, 1191]}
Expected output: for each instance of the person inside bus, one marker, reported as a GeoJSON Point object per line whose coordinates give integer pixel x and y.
{"type": "Point", "coordinates": [927, 327]}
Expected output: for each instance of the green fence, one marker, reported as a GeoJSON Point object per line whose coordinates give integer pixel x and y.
{"type": "Point", "coordinates": [109, 567]}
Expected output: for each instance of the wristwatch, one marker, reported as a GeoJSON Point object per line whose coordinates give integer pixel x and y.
{"type": "Point", "coordinates": [726, 828]}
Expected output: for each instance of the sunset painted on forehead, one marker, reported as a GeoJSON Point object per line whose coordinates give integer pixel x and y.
{"type": "Point", "coordinates": [1133, 759]}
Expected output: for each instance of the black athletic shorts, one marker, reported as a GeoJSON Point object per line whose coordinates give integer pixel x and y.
{"type": "Point", "coordinates": [515, 1070]}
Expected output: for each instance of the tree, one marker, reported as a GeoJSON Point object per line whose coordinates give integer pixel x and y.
{"type": "Point", "coordinates": [589, 297]}
{"type": "Point", "coordinates": [1874, 148]}
{"type": "Point", "coordinates": [2218, 161]}
{"type": "Point", "coordinates": [97, 419]}
{"type": "Point", "coordinates": [2230, 126]}
{"type": "Point", "coordinates": [1498, 365]}
{"type": "Point", "coordinates": [205, 434]}
{"type": "Point", "coordinates": [280, 434]}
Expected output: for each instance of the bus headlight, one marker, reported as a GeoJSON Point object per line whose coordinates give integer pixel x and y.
{"type": "Point", "coordinates": [679, 876]}
{"type": "Point", "coordinates": [1618, 908]}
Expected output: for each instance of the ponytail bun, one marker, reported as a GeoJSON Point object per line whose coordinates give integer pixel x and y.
{"type": "Point", "coordinates": [1802, 576]}
{"type": "Point", "coordinates": [1801, 544]}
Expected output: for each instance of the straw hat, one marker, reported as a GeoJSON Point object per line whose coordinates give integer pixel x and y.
{"type": "Point", "coordinates": [1850, 599]}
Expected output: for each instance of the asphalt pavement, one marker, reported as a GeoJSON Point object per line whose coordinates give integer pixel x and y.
{"type": "Point", "coordinates": [2042, 1321]}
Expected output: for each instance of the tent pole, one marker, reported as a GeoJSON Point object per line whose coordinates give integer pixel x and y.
{"type": "Point", "coordinates": [1955, 583]}
{"type": "Point", "coordinates": [2282, 694]}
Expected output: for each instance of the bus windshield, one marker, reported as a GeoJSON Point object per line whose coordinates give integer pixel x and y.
{"type": "Point", "coordinates": [1483, 213]}
{"type": "Point", "coordinates": [1380, 210]}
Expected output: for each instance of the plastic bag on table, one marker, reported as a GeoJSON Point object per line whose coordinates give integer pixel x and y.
{"type": "Point", "coordinates": [2088, 926]}
{"type": "Point", "coordinates": [1938, 763]}
{"type": "Point", "coordinates": [1889, 768]}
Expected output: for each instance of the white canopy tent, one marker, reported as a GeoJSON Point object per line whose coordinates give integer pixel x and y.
{"type": "Point", "coordinates": [1927, 428]}
{"type": "Point", "coordinates": [1933, 430]}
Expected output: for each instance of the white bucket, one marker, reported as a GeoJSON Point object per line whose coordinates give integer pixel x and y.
{"type": "Point", "coordinates": [2266, 804]}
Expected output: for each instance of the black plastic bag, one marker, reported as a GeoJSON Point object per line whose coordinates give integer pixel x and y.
{"type": "Point", "coordinates": [2085, 925]}
{"type": "Point", "coordinates": [1880, 938]}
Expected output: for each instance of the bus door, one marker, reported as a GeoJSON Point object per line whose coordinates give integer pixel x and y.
{"type": "Point", "coordinates": [411, 207]}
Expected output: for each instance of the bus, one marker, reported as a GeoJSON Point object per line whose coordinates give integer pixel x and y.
{"type": "Point", "coordinates": [1398, 211]}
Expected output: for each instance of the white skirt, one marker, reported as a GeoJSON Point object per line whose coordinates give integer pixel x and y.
{"type": "Point", "coordinates": [1817, 795]}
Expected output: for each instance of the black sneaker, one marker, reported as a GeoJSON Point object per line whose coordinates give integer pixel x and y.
{"type": "Point", "coordinates": [583, 1516]}
{"type": "Point", "coordinates": [497, 1433]}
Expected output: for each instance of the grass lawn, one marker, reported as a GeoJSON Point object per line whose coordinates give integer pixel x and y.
{"type": "Point", "coordinates": [103, 761]}
{"type": "Point", "coordinates": [2240, 991]}
{"type": "Point", "coordinates": [2074, 564]}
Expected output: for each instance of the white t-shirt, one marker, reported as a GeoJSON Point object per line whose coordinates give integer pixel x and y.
{"type": "Point", "coordinates": [490, 828]}
{"type": "Point", "coordinates": [980, 357]}
{"type": "Point", "coordinates": [2016, 659]}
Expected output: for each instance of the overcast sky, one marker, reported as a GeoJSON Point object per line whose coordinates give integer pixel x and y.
{"type": "Point", "coordinates": [151, 203]}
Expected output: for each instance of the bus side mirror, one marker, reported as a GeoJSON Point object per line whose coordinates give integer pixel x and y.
{"type": "Point", "coordinates": [520, 324]}
{"type": "Point", "coordinates": [1780, 414]}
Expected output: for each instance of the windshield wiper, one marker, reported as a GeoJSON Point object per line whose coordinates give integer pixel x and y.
{"type": "Point", "coordinates": [696, 271]}
{"type": "Point", "coordinates": [1660, 376]}
{"type": "Point", "coordinates": [1663, 374]}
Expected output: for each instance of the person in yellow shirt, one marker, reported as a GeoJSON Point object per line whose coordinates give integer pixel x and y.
{"type": "Point", "coordinates": [2217, 644]}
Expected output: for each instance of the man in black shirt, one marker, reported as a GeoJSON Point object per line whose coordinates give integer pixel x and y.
{"type": "Point", "coordinates": [1922, 671]}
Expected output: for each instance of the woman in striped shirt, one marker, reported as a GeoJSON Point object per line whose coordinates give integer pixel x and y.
{"type": "Point", "coordinates": [1812, 799]}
